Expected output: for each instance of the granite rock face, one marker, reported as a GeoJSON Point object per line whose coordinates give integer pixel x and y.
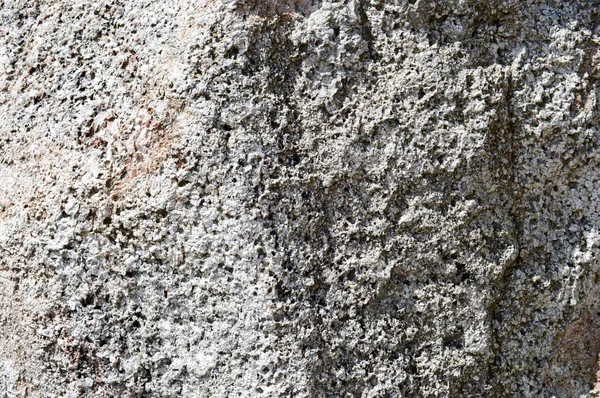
{"type": "Point", "coordinates": [264, 198]}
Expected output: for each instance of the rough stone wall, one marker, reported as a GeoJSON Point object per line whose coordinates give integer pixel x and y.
{"type": "Point", "coordinates": [263, 198]}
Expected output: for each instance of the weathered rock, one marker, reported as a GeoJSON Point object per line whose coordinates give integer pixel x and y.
{"type": "Point", "coordinates": [270, 198]}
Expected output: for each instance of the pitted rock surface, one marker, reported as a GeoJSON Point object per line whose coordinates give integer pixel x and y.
{"type": "Point", "coordinates": [264, 198]}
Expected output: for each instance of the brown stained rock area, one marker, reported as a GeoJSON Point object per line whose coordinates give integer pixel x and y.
{"type": "Point", "coordinates": [576, 355]}
{"type": "Point", "coordinates": [589, 72]}
{"type": "Point", "coordinates": [148, 146]}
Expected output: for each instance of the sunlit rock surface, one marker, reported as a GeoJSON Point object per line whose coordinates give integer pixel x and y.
{"type": "Point", "coordinates": [272, 198]}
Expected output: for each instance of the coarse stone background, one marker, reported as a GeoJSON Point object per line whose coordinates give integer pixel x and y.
{"type": "Point", "coordinates": [286, 198]}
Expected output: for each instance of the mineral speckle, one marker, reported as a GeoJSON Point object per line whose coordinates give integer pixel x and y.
{"type": "Point", "coordinates": [299, 198]}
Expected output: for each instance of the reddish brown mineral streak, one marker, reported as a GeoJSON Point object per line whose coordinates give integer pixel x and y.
{"type": "Point", "coordinates": [577, 352]}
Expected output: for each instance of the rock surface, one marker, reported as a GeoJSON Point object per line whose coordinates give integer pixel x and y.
{"type": "Point", "coordinates": [264, 198]}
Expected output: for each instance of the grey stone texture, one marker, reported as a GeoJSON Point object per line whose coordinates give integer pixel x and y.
{"type": "Point", "coordinates": [263, 198]}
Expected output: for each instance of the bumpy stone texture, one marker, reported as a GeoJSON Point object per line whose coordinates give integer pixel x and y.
{"type": "Point", "coordinates": [264, 198]}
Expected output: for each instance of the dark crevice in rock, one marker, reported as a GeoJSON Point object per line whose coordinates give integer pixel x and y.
{"type": "Point", "coordinates": [366, 28]}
